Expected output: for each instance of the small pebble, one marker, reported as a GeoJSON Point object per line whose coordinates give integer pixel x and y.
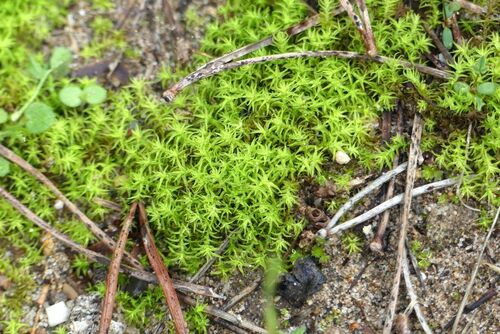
{"type": "Point", "coordinates": [58, 205]}
{"type": "Point", "coordinates": [342, 158]}
{"type": "Point", "coordinates": [57, 314]}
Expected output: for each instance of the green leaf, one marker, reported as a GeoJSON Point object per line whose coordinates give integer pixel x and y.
{"type": "Point", "coordinates": [299, 330]}
{"type": "Point", "coordinates": [454, 7]}
{"type": "Point", "coordinates": [94, 94]}
{"type": "Point", "coordinates": [35, 69]}
{"type": "Point", "coordinates": [480, 67]}
{"type": "Point", "coordinates": [39, 117]}
{"type": "Point", "coordinates": [447, 38]}
{"type": "Point", "coordinates": [4, 167]}
{"type": "Point", "coordinates": [461, 87]}
{"type": "Point", "coordinates": [3, 116]}
{"type": "Point", "coordinates": [71, 96]}
{"type": "Point", "coordinates": [478, 101]}
{"type": "Point", "coordinates": [60, 61]}
{"type": "Point", "coordinates": [447, 10]}
{"type": "Point", "coordinates": [486, 88]}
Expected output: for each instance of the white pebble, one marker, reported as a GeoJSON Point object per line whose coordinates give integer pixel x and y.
{"type": "Point", "coordinates": [58, 205]}
{"type": "Point", "coordinates": [342, 158]}
{"type": "Point", "coordinates": [57, 314]}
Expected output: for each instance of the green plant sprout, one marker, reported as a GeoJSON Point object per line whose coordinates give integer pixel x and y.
{"type": "Point", "coordinates": [351, 243]}
{"type": "Point", "coordinates": [422, 255]}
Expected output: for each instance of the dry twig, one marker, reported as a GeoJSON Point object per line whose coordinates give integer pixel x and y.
{"type": "Point", "coordinates": [40, 301]}
{"type": "Point", "coordinates": [96, 257]}
{"type": "Point", "coordinates": [444, 51]}
{"type": "Point", "coordinates": [161, 271]}
{"type": "Point", "coordinates": [204, 72]}
{"type": "Point", "coordinates": [410, 181]}
{"type": "Point", "coordinates": [471, 7]}
{"type": "Point", "coordinates": [362, 193]}
{"type": "Point", "coordinates": [376, 245]}
{"type": "Point", "coordinates": [210, 262]}
{"type": "Point", "coordinates": [389, 204]}
{"type": "Point", "coordinates": [112, 277]}
{"type": "Point", "coordinates": [413, 296]}
{"type": "Point", "coordinates": [485, 297]}
{"type": "Point", "coordinates": [96, 230]}
{"type": "Point", "coordinates": [193, 77]}
{"type": "Point", "coordinates": [240, 296]}
{"type": "Point", "coordinates": [218, 313]}
{"type": "Point", "coordinates": [473, 276]}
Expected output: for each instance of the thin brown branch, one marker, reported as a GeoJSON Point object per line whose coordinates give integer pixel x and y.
{"type": "Point", "coordinates": [485, 297]}
{"type": "Point", "coordinates": [371, 48]}
{"type": "Point", "coordinates": [96, 230]}
{"type": "Point", "coordinates": [242, 295]}
{"type": "Point", "coordinates": [444, 51]}
{"type": "Point", "coordinates": [169, 95]}
{"type": "Point", "coordinates": [113, 271]}
{"type": "Point", "coordinates": [455, 29]}
{"type": "Point", "coordinates": [474, 273]}
{"type": "Point", "coordinates": [44, 292]}
{"type": "Point", "coordinates": [231, 318]}
{"type": "Point", "coordinates": [376, 245]}
{"type": "Point", "coordinates": [405, 212]}
{"type": "Point", "coordinates": [162, 274]}
{"type": "Point", "coordinates": [96, 257]}
{"type": "Point", "coordinates": [203, 270]}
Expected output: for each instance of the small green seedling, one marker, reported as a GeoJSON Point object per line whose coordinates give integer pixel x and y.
{"type": "Point", "coordinates": [73, 96]}
{"type": "Point", "coordinates": [351, 243]}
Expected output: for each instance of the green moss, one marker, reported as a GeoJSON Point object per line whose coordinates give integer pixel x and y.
{"type": "Point", "coordinates": [228, 154]}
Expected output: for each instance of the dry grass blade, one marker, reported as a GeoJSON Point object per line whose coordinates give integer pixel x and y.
{"type": "Point", "coordinates": [474, 273]}
{"type": "Point", "coordinates": [405, 212]}
{"type": "Point", "coordinates": [110, 243]}
{"type": "Point", "coordinates": [161, 272]}
{"type": "Point", "coordinates": [112, 277]}
{"type": "Point", "coordinates": [218, 313]}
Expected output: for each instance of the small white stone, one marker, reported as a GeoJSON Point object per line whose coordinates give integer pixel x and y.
{"type": "Point", "coordinates": [80, 327]}
{"type": "Point", "coordinates": [367, 230]}
{"type": "Point", "coordinates": [57, 314]}
{"type": "Point", "coordinates": [58, 205]}
{"type": "Point", "coordinates": [342, 158]}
